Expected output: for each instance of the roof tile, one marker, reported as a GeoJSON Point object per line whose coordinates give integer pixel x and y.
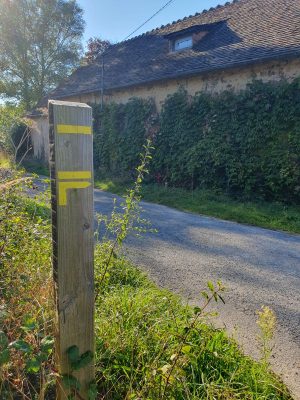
{"type": "Point", "coordinates": [248, 31]}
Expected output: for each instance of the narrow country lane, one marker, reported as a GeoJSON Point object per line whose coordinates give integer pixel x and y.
{"type": "Point", "coordinates": [257, 266]}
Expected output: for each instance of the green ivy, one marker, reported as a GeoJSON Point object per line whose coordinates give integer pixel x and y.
{"type": "Point", "coordinates": [120, 133]}
{"type": "Point", "coordinates": [245, 144]}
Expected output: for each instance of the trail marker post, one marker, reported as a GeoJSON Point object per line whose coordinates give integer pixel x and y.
{"type": "Point", "coordinates": [71, 164]}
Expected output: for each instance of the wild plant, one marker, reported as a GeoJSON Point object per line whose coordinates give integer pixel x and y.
{"type": "Point", "coordinates": [26, 306]}
{"type": "Point", "coordinates": [157, 378]}
{"type": "Point", "coordinates": [182, 351]}
{"type": "Point", "coordinates": [119, 225]}
{"type": "Point", "coordinates": [267, 324]}
{"type": "Point", "coordinates": [149, 345]}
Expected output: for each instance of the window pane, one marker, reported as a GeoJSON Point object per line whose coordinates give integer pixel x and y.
{"type": "Point", "coordinates": [183, 43]}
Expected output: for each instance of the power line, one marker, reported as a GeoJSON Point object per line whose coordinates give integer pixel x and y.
{"type": "Point", "coordinates": [149, 19]}
{"type": "Point", "coordinates": [127, 37]}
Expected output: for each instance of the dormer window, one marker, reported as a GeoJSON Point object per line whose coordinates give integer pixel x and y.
{"type": "Point", "coordinates": [189, 38]}
{"type": "Point", "coordinates": [183, 43]}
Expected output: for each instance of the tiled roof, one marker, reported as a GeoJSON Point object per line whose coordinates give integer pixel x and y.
{"type": "Point", "coordinates": [242, 32]}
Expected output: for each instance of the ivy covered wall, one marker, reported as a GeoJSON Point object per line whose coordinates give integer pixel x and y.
{"type": "Point", "coordinates": [119, 136]}
{"type": "Point", "coordinates": [245, 144]}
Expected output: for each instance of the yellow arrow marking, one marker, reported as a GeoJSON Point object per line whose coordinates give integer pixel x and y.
{"type": "Point", "coordinates": [64, 186]}
{"type": "Point", "coordinates": [74, 129]}
{"type": "Point", "coordinates": [74, 175]}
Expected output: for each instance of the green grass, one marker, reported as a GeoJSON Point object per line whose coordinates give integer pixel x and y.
{"type": "Point", "coordinates": [30, 165]}
{"type": "Point", "coordinates": [112, 185]}
{"type": "Point", "coordinates": [36, 167]}
{"type": "Point", "coordinates": [269, 215]}
{"type": "Point", "coordinates": [140, 329]}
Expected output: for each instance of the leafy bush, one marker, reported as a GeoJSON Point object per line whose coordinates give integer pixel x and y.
{"type": "Point", "coordinates": [120, 132]}
{"type": "Point", "coordinates": [26, 305]}
{"type": "Point", "coordinates": [15, 140]}
{"type": "Point", "coordinates": [245, 144]}
{"type": "Point", "coordinates": [10, 118]}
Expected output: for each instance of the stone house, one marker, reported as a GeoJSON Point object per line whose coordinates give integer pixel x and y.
{"type": "Point", "coordinates": [223, 48]}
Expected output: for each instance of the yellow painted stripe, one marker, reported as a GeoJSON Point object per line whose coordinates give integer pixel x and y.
{"type": "Point", "coordinates": [74, 174]}
{"type": "Point", "coordinates": [74, 129]}
{"type": "Point", "coordinates": [64, 186]}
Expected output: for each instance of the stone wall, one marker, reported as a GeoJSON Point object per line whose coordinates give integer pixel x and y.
{"type": "Point", "coordinates": [234, 79]}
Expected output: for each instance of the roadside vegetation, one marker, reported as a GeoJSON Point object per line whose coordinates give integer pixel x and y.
{"type": "Point", "coordinates": [149, 343]}
{"type": "Point", "coordinates": [36, 167]}
{"type": "Point", "coordinates": [245, 145]}
{"type": "Point", "coordinates": [233, 155]}
{"type": "Point", "coordinates": [271, 215]}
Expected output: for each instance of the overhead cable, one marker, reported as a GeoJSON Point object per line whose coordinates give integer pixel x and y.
{"type": "Point", "coordinates": [149, 19]}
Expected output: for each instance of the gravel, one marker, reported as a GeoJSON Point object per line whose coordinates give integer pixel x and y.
{"type": "Point", "coordinates": [257, 266]}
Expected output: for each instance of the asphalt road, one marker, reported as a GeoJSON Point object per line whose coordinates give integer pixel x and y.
{"type": "Point", "coordinates": [257, 266]}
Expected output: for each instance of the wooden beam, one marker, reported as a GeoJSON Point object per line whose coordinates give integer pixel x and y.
{"type": "Point", "coordinates": [71, 165]}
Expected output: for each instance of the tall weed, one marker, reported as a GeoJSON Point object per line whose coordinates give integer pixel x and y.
{"type": "Point", "coordinates": [26, 307]}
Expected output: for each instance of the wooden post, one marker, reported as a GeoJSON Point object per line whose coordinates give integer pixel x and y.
{"type": "Point", "coordinates": [71, 164]}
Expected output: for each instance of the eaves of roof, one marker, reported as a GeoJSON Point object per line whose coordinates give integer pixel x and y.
{"type": "Point", "coordinates": [241, 33]}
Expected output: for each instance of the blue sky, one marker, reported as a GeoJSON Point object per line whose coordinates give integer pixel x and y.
{"type": "Point", "coordinates": [115, 19]}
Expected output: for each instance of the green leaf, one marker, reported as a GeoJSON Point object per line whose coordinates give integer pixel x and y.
{"type": "Point", "coordinates": [186, 329]}
{"type": "Point", "coordinates": [210, 286]}
{"type": "Point", "coordinates": [92, 391]}
{"type": "Point", "coordinates": [29, 324]}
{"type": "Point", "coordinates": [33, 365]}
{"type": "Point", "coordinates": [42, 356]}
{"type": "Point", "coordinates": [205, 295]}
{"type": "Point", "coordinates": [73, 354]}
{"type": "Point", "coordinates": [21, 345]}
{"type": "Point", "coordinates": [197, 310]}
{"type": "Point", "coordinates": [3, 340]}
{"type": "Point", "coordinates": [4, 356]}
{"type": "Point", "coordinates": [70, 382]}
{"type": "Point", "coordinates": [84, 360]}
{"type": "Point", "coordinates": [186, 349]}
{"type": "Point", "coordinates": [47, 344]}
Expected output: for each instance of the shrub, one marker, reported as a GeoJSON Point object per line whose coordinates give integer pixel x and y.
{"type": "Point", "coordinates": [246, 144]}
{"type": "Point", "coordinates": [26, 305]}
{"type": "Point", "coordinates": [120, 132]}
{"type": "Point", "coordinates": [15, 140]}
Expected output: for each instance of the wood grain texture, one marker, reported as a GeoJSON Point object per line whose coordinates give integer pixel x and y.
{"type": "Point", "coordinates": [73, 240]}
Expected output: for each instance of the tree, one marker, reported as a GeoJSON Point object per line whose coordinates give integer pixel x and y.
{"type": "Point", "coordinates": [40, 43]}
{"type": "Point", "coordinates": [15, 142]}
{"type": "Point", "coordinates": [10, 116]}
{"type": "Point", "coordinates": [95, 47]}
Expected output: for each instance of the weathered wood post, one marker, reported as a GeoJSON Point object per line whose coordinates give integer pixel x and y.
{"type": "Point", "coordinates": [71, 164]}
